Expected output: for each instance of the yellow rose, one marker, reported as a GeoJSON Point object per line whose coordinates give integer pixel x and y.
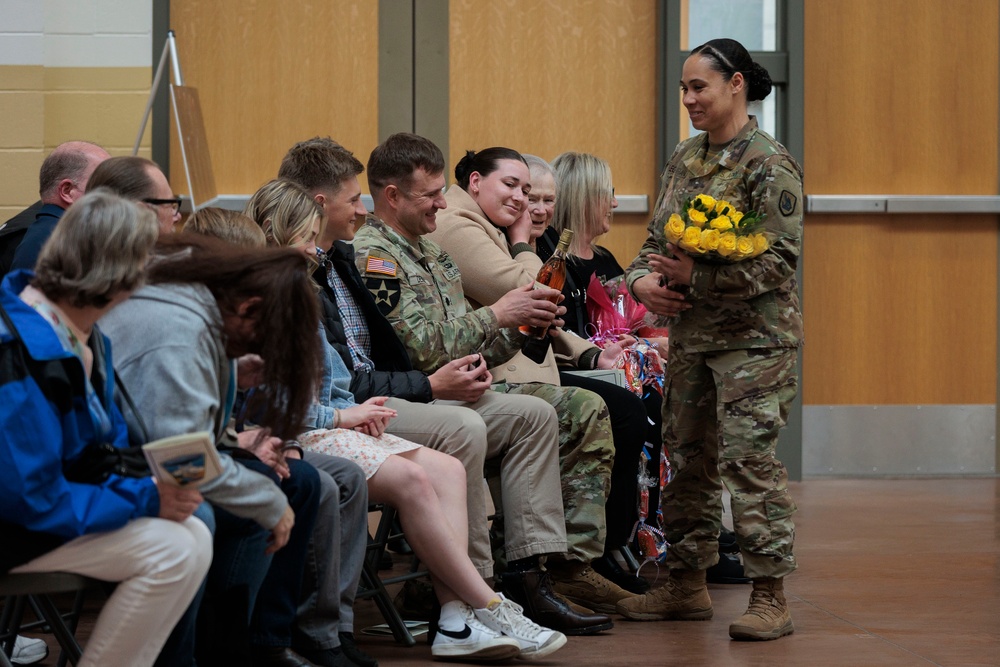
{"type": "Point", "coordinates": [744, 247]}
{"type": "Point", "coordinates": [760, 244]}
{"type": "Point", "coordinates": [727, 244]}
{"type": "Point", "coordinates": [723, 207]}
{"type": "Point", "coordinates": [735, 217]}
{"type": "Point", "coordinates": [710, 239]}
{"type": "Point", "coordinates": [692, 240]}
{"type": "Point", "coordinates": [704, 202]}
{"type": "Point", "coordinates": [696, 217]}
{"type": "Point", "coordinates": [722, 223]}
{"type": "Point", "coordinates": [675, 228]}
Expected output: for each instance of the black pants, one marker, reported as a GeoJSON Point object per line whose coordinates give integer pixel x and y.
{"type": "Point", "coordinates": [628, 428]}
{"type": "Point", "coordinates": [654, 406]}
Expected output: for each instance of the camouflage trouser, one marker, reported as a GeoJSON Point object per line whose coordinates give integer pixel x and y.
{"type": "Point", "coordinates": [586, 455]}
{"type": "Point", "coordinates": [721, 415]}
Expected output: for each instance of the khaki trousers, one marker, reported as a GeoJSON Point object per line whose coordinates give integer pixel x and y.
{"type": "Point", "coordinates": [520, 431]}
{"type": "Point", "coordinates": [158, 565]}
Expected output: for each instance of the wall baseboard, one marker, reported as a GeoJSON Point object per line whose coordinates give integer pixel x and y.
{"type": "Point", "coordinates": [888, 440]}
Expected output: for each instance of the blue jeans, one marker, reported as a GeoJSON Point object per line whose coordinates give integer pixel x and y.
{"type": "Point", "coordinates": [239, 567]}
{"type": "Point", "coordinates": [221, 608]}
{"type": "Point", "coordinates": [179, 649]}
{"type": "Point", "coordinates": [278, 599]}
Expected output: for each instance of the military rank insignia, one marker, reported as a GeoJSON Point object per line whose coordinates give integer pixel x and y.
{"type": "Point", "coordinates": [385, 291]}
{"type": "Point", "coordinates": [786, 203]}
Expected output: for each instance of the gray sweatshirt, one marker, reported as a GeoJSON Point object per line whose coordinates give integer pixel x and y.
{"type": "Point", "coordinates": [166, 343]}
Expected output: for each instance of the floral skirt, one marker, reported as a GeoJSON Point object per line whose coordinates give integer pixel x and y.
{"type": "Point", "coordinates": [367, 451]}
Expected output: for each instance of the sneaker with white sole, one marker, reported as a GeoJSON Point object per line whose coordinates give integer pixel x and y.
{"type": "Point", "coordinates": [508, 617]}
{"type": "Point", "coordinates": [475, 641]}
{"type": "Point", "coordinates": [28, 651]}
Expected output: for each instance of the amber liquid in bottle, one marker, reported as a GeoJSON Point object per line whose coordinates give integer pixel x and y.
{"type": "Point", "coordinates": [552, 274]}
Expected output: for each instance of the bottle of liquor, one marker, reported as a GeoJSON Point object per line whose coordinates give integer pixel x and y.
{"type": "Point", "coordinates": [552, 274]}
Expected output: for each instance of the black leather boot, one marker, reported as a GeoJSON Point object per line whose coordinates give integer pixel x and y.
{"type": "Point", "coordinates": [278, 656]}
{"type": "Point", "coordinates": [729, 570]}
{"type": "Point", "coordinates": [727, 542]}
{"type": "Point", "coordinates": [541, 604]}
{"type": "Point", "coordinates": [607, 566]}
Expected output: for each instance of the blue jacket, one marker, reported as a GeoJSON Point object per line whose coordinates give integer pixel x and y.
{"type": "Point", "coordinates": [43, 426]}
{"type": "Point", "coordinates": [35, 237]}
{"type": "Point", "coordinates": [334, 391]}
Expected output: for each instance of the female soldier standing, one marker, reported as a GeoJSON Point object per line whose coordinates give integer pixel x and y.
{"type": "Point", "coordinates": [733, 340]}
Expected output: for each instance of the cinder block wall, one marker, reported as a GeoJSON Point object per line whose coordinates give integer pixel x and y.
{"type": "Point", "coordinates": [69, 69]}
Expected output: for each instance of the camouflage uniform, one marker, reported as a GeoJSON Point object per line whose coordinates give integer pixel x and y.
{"type": "Point", "coordinates": [423, 300]}
{"type": "Point", "coordinates": [731, 373]}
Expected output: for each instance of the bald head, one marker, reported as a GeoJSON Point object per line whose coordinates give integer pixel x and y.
{"type": "Point", "coordinates": [65, 172]}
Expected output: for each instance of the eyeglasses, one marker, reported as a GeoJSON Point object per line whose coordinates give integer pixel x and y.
{"type": "Point", "coordinates": [175, 203]}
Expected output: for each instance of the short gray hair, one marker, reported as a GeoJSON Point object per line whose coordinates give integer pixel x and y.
{"type": "Point", "coordinates": [538, 165]}
{"type": "Point", "coordinates": [98, 250]}
{"type": "Point", "coordinates": [69, 160]}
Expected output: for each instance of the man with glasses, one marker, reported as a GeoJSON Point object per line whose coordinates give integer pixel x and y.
{"type": "Point", "coordinates": [451, 409]}
{"type": "Point", "coordinates": [140, 180]}
{"type": "Point", "coordinates": [61, 181]}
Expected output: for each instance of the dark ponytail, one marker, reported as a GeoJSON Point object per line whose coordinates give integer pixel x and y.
{"type": "Point", "coordinates": [485, 162]}
{"type": "Point", "coordinates": [729, 57]}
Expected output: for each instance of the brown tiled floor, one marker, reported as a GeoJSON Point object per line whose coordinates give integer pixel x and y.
{"type": "Point", "coordinates": [892, 572]}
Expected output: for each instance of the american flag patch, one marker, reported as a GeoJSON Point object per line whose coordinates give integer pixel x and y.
{"type": "Point", "coordinates": [386, 267]}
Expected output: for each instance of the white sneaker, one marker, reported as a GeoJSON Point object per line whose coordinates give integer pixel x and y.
{"type": "Point", "coordinates": [474, 642]}
{"type": "Point", "coordinates": [508, 617]}
{"type": "Point", "coordinates": [28, 651]}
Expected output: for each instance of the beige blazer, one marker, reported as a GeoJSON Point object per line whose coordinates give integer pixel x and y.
{"type": "Point", "coordinates": [482, 254]}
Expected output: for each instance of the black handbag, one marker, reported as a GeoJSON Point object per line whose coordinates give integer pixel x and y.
{"type": "Point", "coordinates": [98, 461]}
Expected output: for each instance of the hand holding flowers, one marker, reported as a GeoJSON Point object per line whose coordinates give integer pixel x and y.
{"type": "Point", "coordinates": [715, 229]}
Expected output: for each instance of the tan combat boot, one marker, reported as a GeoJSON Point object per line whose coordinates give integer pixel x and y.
{"type": "Point", "coordinates": [767, 617]}
{"type": "Point", "coordinates": [579, 583]}
{"type": "Point", "coordinates": [683, 598]}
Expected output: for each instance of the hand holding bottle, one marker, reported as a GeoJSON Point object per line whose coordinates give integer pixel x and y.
{"type": "Point", "coordinates": [527, 306]}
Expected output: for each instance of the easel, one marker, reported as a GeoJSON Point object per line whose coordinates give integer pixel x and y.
{"type": "Point", "coordinates": [187, 116]}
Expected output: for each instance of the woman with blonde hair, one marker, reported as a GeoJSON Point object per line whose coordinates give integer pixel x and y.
{"type": "Point", "coordinates": [230, 226]}
{"type": "Point", "coordinates": [426, 487]}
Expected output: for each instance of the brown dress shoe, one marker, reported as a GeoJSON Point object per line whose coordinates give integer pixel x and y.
{"type": "Point", "coordinates": [541, 604]}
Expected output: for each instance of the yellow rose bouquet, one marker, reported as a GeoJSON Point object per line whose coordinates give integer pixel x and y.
{"type": "Point", "coordinates": [714, 229]}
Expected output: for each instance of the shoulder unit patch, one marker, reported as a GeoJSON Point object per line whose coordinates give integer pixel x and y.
{"type": "Point", "coordinates": [385, 292]}
{"type": "Point", "coordinates": [786, 203]}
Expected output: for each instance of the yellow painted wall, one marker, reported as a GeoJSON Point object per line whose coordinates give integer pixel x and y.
{"type": "Point", "coordinates": [45, 106]}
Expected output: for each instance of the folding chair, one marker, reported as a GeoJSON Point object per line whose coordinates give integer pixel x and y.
{"type": "Point", "coordinates": [22, 590]}
{"type": "Point", "coordinates": [373, 586]}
